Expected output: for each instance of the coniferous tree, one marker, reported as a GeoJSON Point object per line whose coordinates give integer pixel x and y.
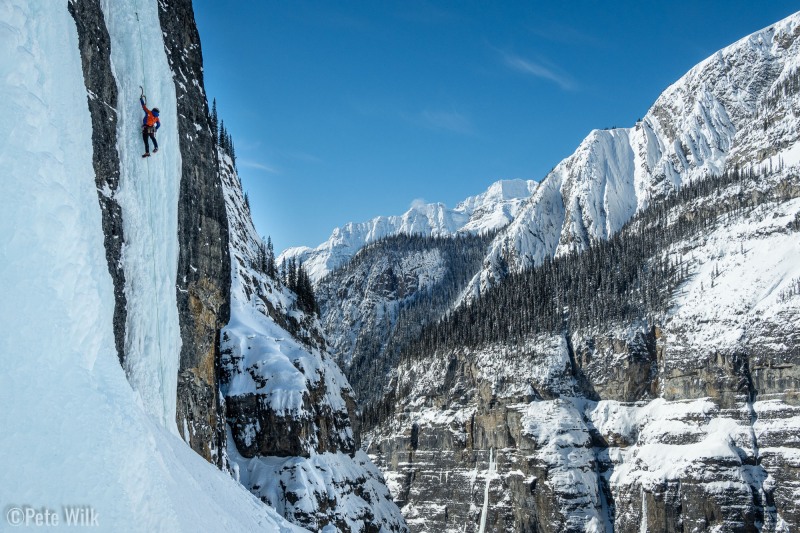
{"type": "Point", "coordinates": [232, 151]}
{"type": "Point", "coordinates": [291, 280]}
{"type": "Point", "coordinates": [215, 121]}
{"type": "Point", "coordinates": [261, 257]}
{"type": "Point", "coordinates": [306, 299]}
{"type": "Point", "coordinates": [270, 268]}
{"type": "Point", "coordinates": [628, 278]}
{"type": "Point", "coordinates": [222, 137]}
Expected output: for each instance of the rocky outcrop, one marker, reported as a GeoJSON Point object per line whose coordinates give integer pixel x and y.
{"type": "Point", "coordinates": [101, 88]}
{"type": "Point", "coordinates": [289, 408]}
{"type": "Point", "coordinates": [203, 289]}
{"type": "Point", "coordinates": [573, 464]}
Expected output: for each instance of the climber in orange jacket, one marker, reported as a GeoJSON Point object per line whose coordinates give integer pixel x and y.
{"type": "Point", "coordinates": [150, 124]}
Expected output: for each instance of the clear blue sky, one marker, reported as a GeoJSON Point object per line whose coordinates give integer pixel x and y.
{"type": "Point", "coordinates": [342, 111]}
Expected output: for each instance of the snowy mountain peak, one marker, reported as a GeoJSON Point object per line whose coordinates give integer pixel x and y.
{"type": "Point", "coordinates": [499, 191]}
{"type": "Point", "coordinates": [488, 211]}
{"type": "Point", "coordinates": [638, 423]}
{"type": "Point", "coordinates": [735, 108]}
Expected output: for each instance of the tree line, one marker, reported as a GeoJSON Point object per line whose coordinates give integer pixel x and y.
{"type": "Point", "coordinates": [221, 135]}
{"type": "Point", "coordinates": [629, 277]}
{"type": "Point", "coordinates": [291, 273]}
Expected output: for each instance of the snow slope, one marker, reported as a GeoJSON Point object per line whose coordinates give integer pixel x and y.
{"type": "Point", "coordinates": [254, 339]}
{"type": "Point", "coordinates": [76, 433]}
{"type": "Point", "coordinates": [488, 211]}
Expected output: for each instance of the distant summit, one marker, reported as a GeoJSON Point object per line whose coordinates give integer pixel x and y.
{"type": "Point", "coordinates": [491, 210]}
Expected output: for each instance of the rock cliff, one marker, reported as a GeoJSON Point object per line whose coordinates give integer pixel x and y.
{"type": "Point", "coordinates": [203, 290]}
{"type": "Point", "coordinates": [95, 51]}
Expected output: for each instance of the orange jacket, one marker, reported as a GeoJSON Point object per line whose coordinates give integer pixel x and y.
{"type": "Point", "coordinates": [150, 118]}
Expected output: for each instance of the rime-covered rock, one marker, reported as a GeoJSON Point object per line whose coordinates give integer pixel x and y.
{"type": "Point", "coordinates": [289, 407]}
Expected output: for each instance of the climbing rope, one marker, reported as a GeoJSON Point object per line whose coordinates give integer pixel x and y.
{"type": "Point", "coordinates": [141, 55]}
{"type": "Point", "coordinates": [162, 379]}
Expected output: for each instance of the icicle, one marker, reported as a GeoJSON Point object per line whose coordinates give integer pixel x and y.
{"type": "Point", "coordinates": [489, 475]}
{"type": "Point", "coordinates": [643, 523]}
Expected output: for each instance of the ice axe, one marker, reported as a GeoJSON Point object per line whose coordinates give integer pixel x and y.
{"type": "Point", "coordinates": [142, 96]}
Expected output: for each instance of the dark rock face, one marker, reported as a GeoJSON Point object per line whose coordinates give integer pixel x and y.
{"type": "Point", "coordinates": [318, 430]}
{"type": "Point", "coordinates": [203, 289]}
{"type": "Point", "coordinates": [95, 49]}
{"type": "Point", "coordinates": [630, 378]}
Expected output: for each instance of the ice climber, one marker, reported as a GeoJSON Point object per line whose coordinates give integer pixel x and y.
{"type": "Point", "coordinates": [150, 124]}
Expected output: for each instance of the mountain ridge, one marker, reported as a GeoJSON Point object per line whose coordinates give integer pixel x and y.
{"type": "Point", "coordinates": [709, 118]}
{"type": "Point", "coordinates": [487, 211]}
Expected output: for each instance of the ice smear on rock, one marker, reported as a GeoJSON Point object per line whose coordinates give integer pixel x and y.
{"type": "Point", "coordinates": [148, 195]}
